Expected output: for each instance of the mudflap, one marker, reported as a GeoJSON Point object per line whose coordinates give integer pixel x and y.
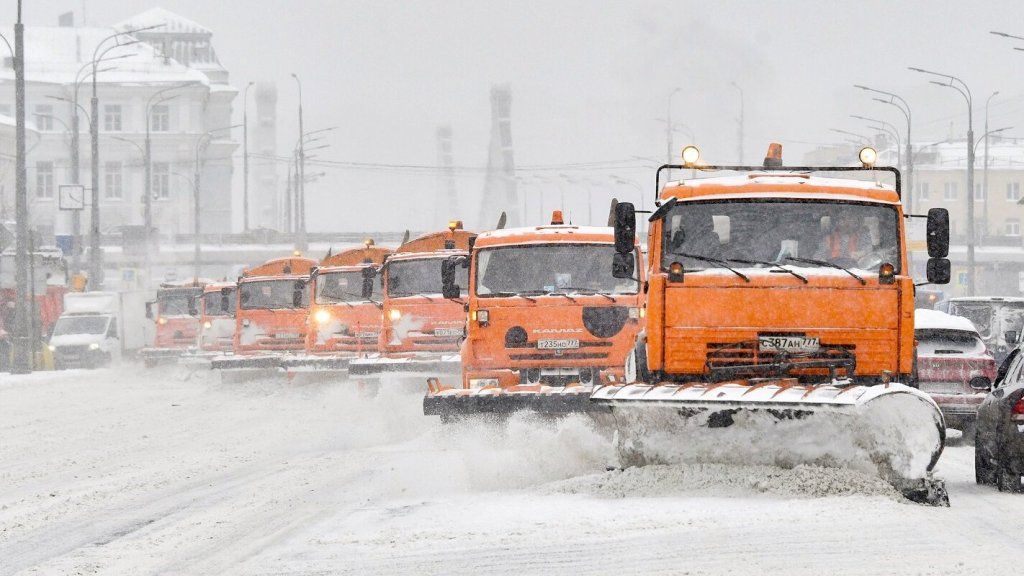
{"type": "Point", "coordinates": [490, 401]}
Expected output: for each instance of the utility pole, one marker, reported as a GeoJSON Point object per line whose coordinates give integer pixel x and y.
{"type": "Point", "coordinates": [22, 348]}
{"type": "Point", "coordinates": [288, 201]}
{"type": "Point", "coordinates": [245, 157]}
{"type": "Point", "coordinates": [300, 193]}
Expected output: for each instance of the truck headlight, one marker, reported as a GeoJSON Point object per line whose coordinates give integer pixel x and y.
{"type": "Point", "coordinates": [52, 348]}
{"type": "Point", "coordinates": [395, 314]}
{"type": "Point", "coordinates": [322, 316]}
{"type": "Point", "coordinates": [481, 316]}
{"type": "Point", "coordinates": [94, 346]}
{"type": "Point", "coordinates": [207, 324]}
{"type": "Point", "coordinates": [161, 320]}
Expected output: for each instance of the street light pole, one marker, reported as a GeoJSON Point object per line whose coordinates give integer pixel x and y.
{"type": "Point", "coordinates": [668, 132]}
{"type": "Point", "coordinates": [301, 188]}
{"type": "Point", "coordinates": [148, 155]}
{"type": "Point", "coordinates": [888, 128]}
{"type": "Point", "coordinates": [22, 347]}
{"type": "Point", "coordinates": [984, 170]}
{"type": "Point", "coordinates": [245, 157]}
{"type": "Point", "coordinates": [964, 91]}
{"type": "Point", "coordinates": [900, 104]}
{"type": "Point", "coordinates": [201, 143]}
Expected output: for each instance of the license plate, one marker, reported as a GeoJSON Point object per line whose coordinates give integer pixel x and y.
{"type": "Point", "coordinates": [286, 335]}
{"type": "Point", "coordinates": [447, 331]}
{"type": "Point", "coordinates": [788, 343]}
{"type": "Point", "coordinates": [557, 344]}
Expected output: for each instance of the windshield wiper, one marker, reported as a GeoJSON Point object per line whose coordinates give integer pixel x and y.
{"type": "Point", "coordinates": [404, 294]}
{"type": "Point", "coordinates": [774, 265]}
{"type": "Point", "coordinates": [360, 296]}
{"type": "Point", "coordinates": [510, 295]}
{"type": "Point", "coordinates": [827, 264]}
{"type": "Point", "coordinates": [716, 261]}
{"type": "Point", "coordinates": [587, 292]}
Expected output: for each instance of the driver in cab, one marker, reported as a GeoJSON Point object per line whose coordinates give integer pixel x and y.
{"type": "Point", "coordinates": [850, 239]}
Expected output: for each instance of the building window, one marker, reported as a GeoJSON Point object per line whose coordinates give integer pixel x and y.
{"type": "Point", "coordinates": [44, 179]}
{"type": "Point", "coordinates": [113, 181]}
{"type": "Point", "coordinates": [1013, 191]}
{"type": "Point", "coordinates": [160, 118]}
{"type": "Point", "coordinates": [979, 193]}
{"type": "Point", "coordinates": [44, 117]}
{"type": "Point", "coordinates": [161, 180]}
{"type": "Point", "coordinates": [950, 190]}
{"type": "Point", "coordinates": [922, 190]}
{"type": "Point", "coordinates": [112, 118]}
{"type": "Point", "coordinates": [1012, 228]}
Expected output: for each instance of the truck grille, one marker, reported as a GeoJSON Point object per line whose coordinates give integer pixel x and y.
{"type": "Point", "coordinates": [732, 359]}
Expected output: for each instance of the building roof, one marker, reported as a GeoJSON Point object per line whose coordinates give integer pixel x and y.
{"type": "Point", "coordinates": [169, 21]}
{"type": "Point", "coordinates": [55, 55]}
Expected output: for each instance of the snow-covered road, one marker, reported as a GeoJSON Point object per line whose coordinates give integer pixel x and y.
{"type": "Point", "coordinates": [132, 472]}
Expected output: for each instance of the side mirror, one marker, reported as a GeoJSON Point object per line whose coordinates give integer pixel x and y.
{"type": "Point", "coordinates": [149, 310]}
{"type": "Point", "coordinates": [1005, 367]}
{"type": "Point", "coordinates": [938, 270]}
{"type": "Point", "coordinates": [938, 233]}
{"type": "Point", "coordinates": [449, 289]}
{"type": "Point", "coordinates": [1010, 337]}
{"type": "Point", "coordinates": [368, 275]}
{"type": "Point", "coordinates": [623, 265]}
{"type": "Point", "coordinates": [625, 228]}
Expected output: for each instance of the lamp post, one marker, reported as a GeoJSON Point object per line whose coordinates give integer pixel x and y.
{"type": "Point", "coordinates": [76, 175]}
{"type": "Point", "coordinates": [201, 143]}
{"type": "Point", "coordinates": [862, 138]}
{"type": "Point", "coordinates": [668, 131]}
{"type": "Point", "coordinates": [148, 153]}
{"type": "Point", "coordinates": [899, 103]}
{"type": "Point", "coordinates": [22, 347]}
{"type": "Point", "coordinates": [301, 191]}
{"type": "Point", "coordinates": [961, 87]}
{"type": "Point", "coordinates": [984, 170]}
{"type": "Point", "coordinates": [245, 157]}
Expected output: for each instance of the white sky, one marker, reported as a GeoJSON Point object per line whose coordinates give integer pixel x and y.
{"type": "Point", "coordinates": [589, 79]}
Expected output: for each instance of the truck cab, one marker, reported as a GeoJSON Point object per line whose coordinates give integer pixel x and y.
{"type": "Point", "coordinates": [217, 317]}
{"type": "Point", "coordinates": [544, 308]}
{"type": "Point", "coordinates": [345, 311]}
{"type": "Point", "coordinates": [273, 303]}
{"type": "Point", "coordinates": [176, 314]}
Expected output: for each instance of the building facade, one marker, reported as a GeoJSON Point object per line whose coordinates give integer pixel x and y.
{"type": "Point", "coordinates": [168, 85]}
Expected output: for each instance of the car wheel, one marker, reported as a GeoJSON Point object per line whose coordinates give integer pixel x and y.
{"type": "Point", "coordinates": [983, 473]}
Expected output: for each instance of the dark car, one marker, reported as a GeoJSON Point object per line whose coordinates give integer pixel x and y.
{"type": "Point", "coordinates": [999, 439]}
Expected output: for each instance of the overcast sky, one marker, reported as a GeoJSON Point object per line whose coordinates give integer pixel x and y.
{"type": "Point", "coordinates": [589, 82]}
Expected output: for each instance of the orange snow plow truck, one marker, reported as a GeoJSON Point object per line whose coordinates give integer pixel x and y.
{"type": "Point", "coordinates": [547, 320]}
{"type": "Point", "coordinates": [176, 313]}
{"type": "Point", "coordinates": [345, 312]}
{"type": "Point", "coordinates": [780, 323]}
{"type": "Point", "coordinates": [420, 330]}
{"type": "Point", "coordinates": [270, 317]}
{"type": "Point", "coordinates": [217, 317]}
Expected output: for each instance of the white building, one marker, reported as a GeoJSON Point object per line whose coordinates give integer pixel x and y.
{"type": "Point", "coordinates": [171, 78]}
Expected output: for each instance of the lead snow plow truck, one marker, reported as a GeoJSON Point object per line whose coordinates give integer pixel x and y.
{"type": "Point", "coordinates": [780, 323]}
{"type": "Point", "coordinates": [547, 321]}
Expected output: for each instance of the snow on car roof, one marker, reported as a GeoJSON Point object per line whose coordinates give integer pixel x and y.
{"type": "Point", "coordinates": [925, 319]}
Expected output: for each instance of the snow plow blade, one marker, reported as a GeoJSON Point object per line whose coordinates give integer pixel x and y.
{"type": "Point", "coordinates": [315, 363]}
{"type": "Point", "coordinates": [546, 400]}
{"type": "Point", "coordinates": [890, 429]}
{"type": "Point", "coordinates": [162, 356]}
{"type": "Point", "coordinates": [449, 364]}
{"type": "Point", "coordinates": [245, 362]}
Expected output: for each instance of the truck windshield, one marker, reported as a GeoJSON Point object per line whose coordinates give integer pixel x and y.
{"type": "Point", "coordinates": [80, 325]}
{"type": "Point", "coordinates": [273, 294]}
{"type": "Point", "coordinates": [176, 302]}
{"type": "Point", "coordinates": [420, 276]}
{"type": "Point", "coordinates": [346, 286]}
{"type": "Point", "coordinates": [212, 303]}
{"type": "Point", "coordinates": [549, 268]}
{"type": "Point", "coordinates": [860, 236]}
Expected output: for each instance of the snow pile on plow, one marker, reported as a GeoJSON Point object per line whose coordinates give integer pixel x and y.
{"type": "Point", "coordinates": [727, 480]}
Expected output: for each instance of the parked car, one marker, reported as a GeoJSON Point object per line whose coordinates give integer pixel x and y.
{"type": "Point", "coordinates": [999, 437]}
{"type": "Point", "coordinates": [953, 366]}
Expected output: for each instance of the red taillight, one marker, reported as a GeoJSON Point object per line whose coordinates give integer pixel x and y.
{"type": "Point", "coordinates": [1017, 412]}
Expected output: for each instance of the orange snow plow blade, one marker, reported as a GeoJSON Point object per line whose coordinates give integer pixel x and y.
{"type": "Point", "coordinates": [891, 429]}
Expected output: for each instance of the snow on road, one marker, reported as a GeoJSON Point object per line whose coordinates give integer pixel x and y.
{"type": "Point", "coordinates": [161, 472]}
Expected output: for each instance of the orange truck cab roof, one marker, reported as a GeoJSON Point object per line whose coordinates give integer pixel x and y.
{"type": "Point", "coordinates": [344, 322]}
{"type": "Point", "coordinates": [291, 266]}
{"type": "Point", "coordinates": [369, 254]}
{"type": "Point", "coordinates": [521, 334]}
{"type": "Point", "coordinates": [791, 185]}
{"type": "Point", "coordinates": [273, 324]}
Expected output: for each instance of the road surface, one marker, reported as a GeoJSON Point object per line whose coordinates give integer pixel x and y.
{"type": "Point", "coordinates": [127, 471]}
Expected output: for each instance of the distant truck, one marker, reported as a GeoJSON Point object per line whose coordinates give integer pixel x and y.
{"type": "Point", "coordinates": [97, 328]}
{"type": "Point", "coordinates": [999, 320]}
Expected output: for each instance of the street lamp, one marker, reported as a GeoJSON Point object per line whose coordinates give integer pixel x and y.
{"type": "Point", "coordinates": [201, 143]}
{"type": "Point", "coordinates": [668, 130]}
{"type": "Point", "coordinates": [900, 104]}
{"type": "Point", "coordinates": [965, 91]}
{"type": "Point", "coordinates": [888, 128]}
{"type": "Point", "coordinates": [301, 191]}
{"type": "Point", "coordinates": [245, 157]}
{"type": "Point", "coordinates": [984, 170]}
{"type": "Point", "coordinates": [861, 137]}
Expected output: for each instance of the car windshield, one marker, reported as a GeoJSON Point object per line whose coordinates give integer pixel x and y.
{"type": "Point", "coordinates": [177, 302]}
{"type": "Point", "coordinates": [420, 276]}
{"type": "Point", "coordinates": [939, 342]}
{"type": "Point", "coordinates": [343, 287]}
{"type": "Point", "coordinates": [212, 303]}
{"type": "Point", "coordinates": [851, 235]}
{"type": "Point", "coordinates": [549, 268]}
{"type": "Point", "coordinates": [80, 325]}
{"type": "Point", "coordinates": [273, 294]}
